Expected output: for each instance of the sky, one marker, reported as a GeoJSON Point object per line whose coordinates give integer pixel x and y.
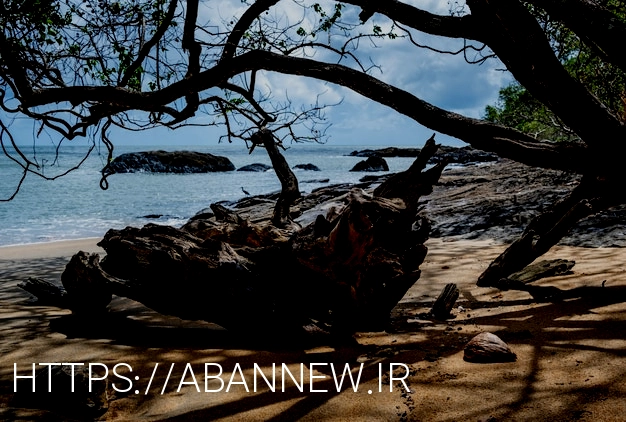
{"type": "Point", "coordinates": [444, 80]}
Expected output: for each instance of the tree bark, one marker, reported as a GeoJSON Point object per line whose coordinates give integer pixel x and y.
{"type": "Point", "coordinates": [542, 269]}
{"type": "Point", "coordinates": [445, 301]}
{"type": "Point", "coordinates": [46, 292]}
{"type": "Point", "coordinates": [290, 191]}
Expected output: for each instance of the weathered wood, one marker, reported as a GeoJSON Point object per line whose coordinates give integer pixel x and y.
{"type": "Point", "coordinates": [412, 184]}
{"type": "Point", "coordinates": [445, 301]}
{"type": "Point", "coordinates": [591, 196]}
{"type": "Point", "coordinates": [224, 214]}
{"type": "Point", "coordinates": [46, 292]}
{"type": "Point", "coordinates": [542, 269]}
{"type": "Point", "coordinates": [86, 284]}
{"type": "Point", "coordinates": [344, 272]}
{"type": "Point", "coordinates": [288, 180]}
{"type": "Point", "coordinates": [371, 258]}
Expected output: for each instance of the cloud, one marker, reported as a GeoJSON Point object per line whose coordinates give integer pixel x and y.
{"type": "Point", "coordinates": [444, 80]}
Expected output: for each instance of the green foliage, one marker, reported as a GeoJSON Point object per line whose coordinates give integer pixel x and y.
{"type": "Point", "coordinates": [517, 108]}
{"type": "Point", "coordinates": [94, 42]}
{"type": "Point", "coordinates": [325, 20]}
{"type": "Point", "coordinates": [37, 21]}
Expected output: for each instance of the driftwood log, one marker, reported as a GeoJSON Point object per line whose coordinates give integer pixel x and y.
{"type": "Point", "coordinates": [534, 272]}
{"type": "Point", "coordinates": [592, 195]}
{"type": "Point", "coordinates": [47, 293]}
{"type": "Point", "coordinates": [344, 272]}
{"type": "Point", "coordinates": [445, 301]}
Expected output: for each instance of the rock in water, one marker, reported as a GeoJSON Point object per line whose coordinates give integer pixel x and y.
{"type": "Point", "coordinates": [259, 167]}
{"type": "Point", "coordinates": [371, 164]}
{"type": "Point", "coordinates": [462, 155]}
{"type": "Point", "coordinates": [488, 348]}
{"type": "Point", "coordinates": [169, 162]}
{"type": "Point", "coordinates": [308, 166]}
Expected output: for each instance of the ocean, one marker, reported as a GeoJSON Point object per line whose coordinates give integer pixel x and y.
{"type": "Point", "coordinates": [74, 206]}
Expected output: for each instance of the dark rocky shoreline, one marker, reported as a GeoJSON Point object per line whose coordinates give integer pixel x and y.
{"type": "Point", "coordinates": [494, 200]}
{"type": "Point", "coordinates": [479, 196]}
{"type": "Point", "coordinates": [462, 155]}
{"type": "Point", "coordinates": [498, 200]}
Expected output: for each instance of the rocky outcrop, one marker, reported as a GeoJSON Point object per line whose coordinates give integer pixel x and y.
{"type": "Point", "coordinates": [481, 201]}
{"type": "Point", "coordinates": [371, 164]}
{"type": "Point", "coordinates": [169, 162]}
{"type": "Point", "coordinates": [498, 200]}
{"type": "Point", "coordinates": [387, 152]}
{"type": "Point", "coordinates": [487, 201]}
{"type": "Point", "coordinates": [258, 167]}
{"type": "Point", "coordinates": [316, 181]}
{"type": "Point", "coordinates": [494, 201]}
{"type": "Point", "coordinates": [308, 166]}
{"type": "Point", "coordinates": [462, 155]}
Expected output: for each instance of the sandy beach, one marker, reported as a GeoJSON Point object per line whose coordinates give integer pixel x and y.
{"type": "Point", "coordinates": [571, 353]}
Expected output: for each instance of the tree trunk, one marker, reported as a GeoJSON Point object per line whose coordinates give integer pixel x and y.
{"type": "Point", "coordinates": [290, 191]}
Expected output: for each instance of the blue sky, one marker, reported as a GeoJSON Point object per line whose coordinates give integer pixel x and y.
{"type": "Point", "coordinates": [446, 81]}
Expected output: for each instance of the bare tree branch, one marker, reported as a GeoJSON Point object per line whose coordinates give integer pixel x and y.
{"type": "Point", "coordinates": [242, 26]}
{"type": "Point", "coordinates": [145, 49]}
{"type": "Point", "coordinates": [445, 26]}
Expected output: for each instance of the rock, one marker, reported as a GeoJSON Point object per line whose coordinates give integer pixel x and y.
{"type": "Point", "coordinates": [169, 162]}
{"type": "Point", "coordinates": [309, 166]}
{"type": "Point", "coordinates": [374, 178]}
{"type": "Point", "coordinates": [371, 164]}
{"type": "Point", "coordinates": [258, 167]}
{"type": "Point", "coordinates": [155, 216]}
{"type": "Point", "coordinates": [494, 201]}
{"type": "Point", "coordinates": [498, 200]}
{"type": "Point", "coordinates": [316, 181]}
{"type": "Point", "coordinates": [387, 152]}
{"type": "Point", "coordinates": [488, 348]}
{"type": "Point", "coordinates": [462, 155]}
{"type": "Point", "coordinates": [88, 401]}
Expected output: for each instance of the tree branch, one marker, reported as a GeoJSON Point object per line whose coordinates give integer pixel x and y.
{"type": "Point", "coordinates": [145, 50]}
{"type": "Point", "coordinates": [445, 26]}
{"type": "Point", "coordinates": [518, 40]}
{"type": "Point", "coordinates": [505, 142]}
{"type": "Point", "coordinates": [242, 26]}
